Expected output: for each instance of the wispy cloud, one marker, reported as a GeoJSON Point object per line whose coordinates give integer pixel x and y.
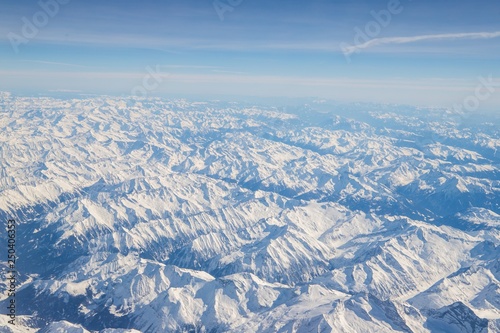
{"type": "Point", "coordinates": [403, 40]}
{"type": "Point", "coordinates": [54, 63]}
{"type": "Point", "coordinates": [228, 72]}
{"type": "Point", "coordinates": [444, 84]}
{"type": "Point", "coordinates": [189, 66]}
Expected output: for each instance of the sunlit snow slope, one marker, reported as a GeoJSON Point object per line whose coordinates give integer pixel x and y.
{"type": "Point", "coordinates": [175, 216]}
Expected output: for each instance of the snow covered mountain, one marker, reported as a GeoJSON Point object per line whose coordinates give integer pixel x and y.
{"type": "Point", "coordinates": [173, 216]}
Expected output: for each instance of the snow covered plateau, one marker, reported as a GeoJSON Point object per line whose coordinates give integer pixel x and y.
{"type": "Point", "coordinates": [154, 215]}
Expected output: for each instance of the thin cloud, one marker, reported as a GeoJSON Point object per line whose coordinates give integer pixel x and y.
{"type": "Point", "coordinates": [54, 63]}
{"type": "Point", "coordinates": [444, 84]}
{"type": "Point", "coordinates": [189, 66]}
{"type": "Point", "coordinates": [228, 72]}
{"type": "Point", "coordinates": [404, 40]}
{"type": "Point", "coordinates": [175, 45]}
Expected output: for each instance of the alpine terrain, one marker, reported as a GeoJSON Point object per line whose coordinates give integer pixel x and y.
{"type": "Point", "coordinates": [155, 215]}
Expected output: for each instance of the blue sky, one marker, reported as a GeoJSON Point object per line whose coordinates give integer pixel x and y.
{"type": "Point", "coordinates": [423, 53]}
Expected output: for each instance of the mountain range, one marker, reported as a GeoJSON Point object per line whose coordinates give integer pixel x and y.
{"type": "Point", "coordinates": [156, 215]}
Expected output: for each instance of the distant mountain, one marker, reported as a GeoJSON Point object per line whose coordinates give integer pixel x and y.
{"type": "Point", "coordinates": [174, 216]}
